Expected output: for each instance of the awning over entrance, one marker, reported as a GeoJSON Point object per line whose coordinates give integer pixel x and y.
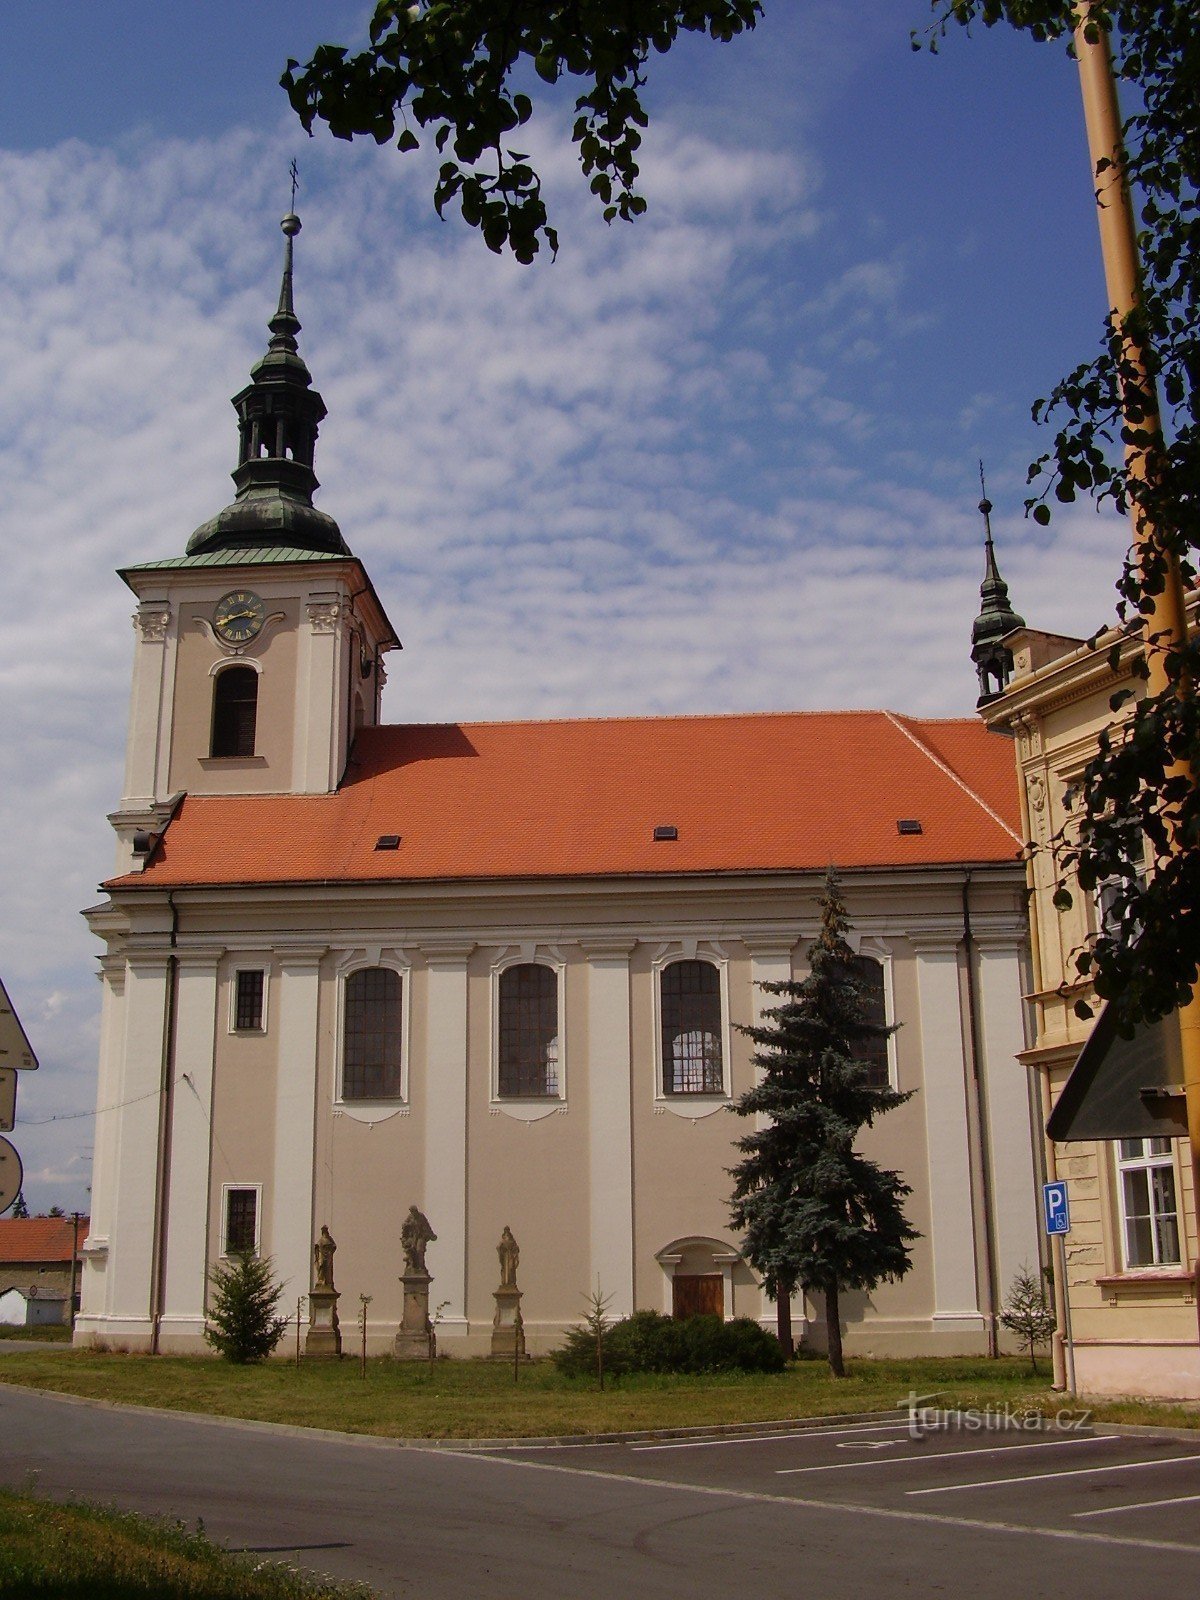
{"type": "Point", "coordinates": [1124, 1088]}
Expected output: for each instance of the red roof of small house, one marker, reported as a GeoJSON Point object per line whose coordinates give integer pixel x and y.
{"type": "Point", "coordinates": [767, 792]}
{"type": "Point", "coordinates": [39, 1241]}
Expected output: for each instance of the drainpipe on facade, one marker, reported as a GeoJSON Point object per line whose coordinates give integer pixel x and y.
{"type": "Point", "coordinates": [1166, 622]}
{"type": "Point", "coordinates": [159, 1236]}
{"type": "Point", "coordinates": [981, 1124]}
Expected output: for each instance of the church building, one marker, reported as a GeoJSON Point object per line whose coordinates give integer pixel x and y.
{"type": "Point", "coordinates": [498, 971]}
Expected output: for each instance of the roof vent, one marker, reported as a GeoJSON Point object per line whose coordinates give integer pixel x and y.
{"type": "Point", "coordinates": [388, 841]}
{"type": "Point", "coordinates": [909, 825]}
{"type": "Point", "coordinates": [666, 831]}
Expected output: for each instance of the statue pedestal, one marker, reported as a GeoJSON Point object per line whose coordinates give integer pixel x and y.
{"type": "Point", "coordinates": [416, 1340]}
{"type": "Point", "coordinates": [508, 1328]}
{"type": "Point", "coordinates": [324, 1338]}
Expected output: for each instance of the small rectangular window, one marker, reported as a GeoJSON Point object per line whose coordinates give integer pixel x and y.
{"type": "Point", "coordinates": [241, 1222]}
{"type": "Point", "coordinates": [248, 1001]}
{"type": "Point", "coordinates": [250, 989]}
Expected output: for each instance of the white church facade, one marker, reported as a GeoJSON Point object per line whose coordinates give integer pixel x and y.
{"type": "Point", "coordinates": [498, 971]}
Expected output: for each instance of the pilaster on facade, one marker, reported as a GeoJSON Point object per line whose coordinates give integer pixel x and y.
{"type": "Point", "coordinates": [190, 1145]}
{"type": "Point", "coordinates": [135, 1178]}
{"type": "Point", "coordinates": [446, 1153]}
{"type": "Point", "coordinates": [322, 706]}
{"type": "Point", "coordinates": [147, 750]}
{"type": "Point", "coordinates": [610, 1120]}
{"type": "Point", "coordinates": [947, 1131]}
{"type": "Point", "coordinates": [1010, 1098]}
{"type": "Point", "coordinates": [289, 1229]}
{"type": "Point", "coordinates": [105, 1142]}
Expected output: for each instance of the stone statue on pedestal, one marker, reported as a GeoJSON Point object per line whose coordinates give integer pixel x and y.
{"type": "Point", "coordinates": [324, 1337]}
{"type": "Point", "coordinates": [416, 1340]}
{"type": "Point", "coordinates": [508, 1327]}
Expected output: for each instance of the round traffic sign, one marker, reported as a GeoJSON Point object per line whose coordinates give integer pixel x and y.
{"type": "Point", "coordinates": [11, 1174]}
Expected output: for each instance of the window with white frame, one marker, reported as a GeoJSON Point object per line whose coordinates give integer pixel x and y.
{"type": "Point", "coordinates": [527, 1031]}
{"type": "Point", "coordinates": [690, 1014]}
{"type": "Point", "coordinates": [249, 1000]}
{"type": "Point", "coordinates": [373, 1034]}
{"type": "Point", "coordinates": [1149, 1212]}
{"type": "Point", "coordinates": [239, 1229]}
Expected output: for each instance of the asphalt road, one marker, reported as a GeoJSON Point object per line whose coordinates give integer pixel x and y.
{"type": "Point", "coordinates": [844, 1512]}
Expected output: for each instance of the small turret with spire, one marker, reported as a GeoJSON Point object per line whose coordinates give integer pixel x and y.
{"type": "Point", "coordinates": [279, 413]}
{"type": "Point", "coordinates": [993, 662]}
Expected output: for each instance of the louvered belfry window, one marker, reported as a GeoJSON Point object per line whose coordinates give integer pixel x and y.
{"type": "Point", "coordinates": [690, 996]}
{"type": "Point", "coordinates": [372, 1039]}
{"type": "Point", "coordinates": [235, 712]}
{"type": "Point", "coordinates": [528, 1032]}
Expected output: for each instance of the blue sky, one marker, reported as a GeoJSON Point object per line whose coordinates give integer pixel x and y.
{"type": "Point", "coordinates": [724, 458]}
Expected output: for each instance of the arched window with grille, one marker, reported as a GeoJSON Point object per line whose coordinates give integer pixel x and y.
{"type": "Point", "coordinates": [872, 1051]}
{"type": "Point", "coordinates": [528, 1031]}
{"type": "Point", "coordinates": [235, 711]}
{"type": "Point", "coordinates": [690, 1007]}
{"type": "Point", "coordinates": [372, 1035]}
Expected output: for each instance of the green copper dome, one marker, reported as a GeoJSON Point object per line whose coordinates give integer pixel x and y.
{"type": "Point", "coordinates": [279, 413]}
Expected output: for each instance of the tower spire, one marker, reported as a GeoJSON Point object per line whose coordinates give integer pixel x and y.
{"type": "Point", "coordinates": [993, 662]}
{"type": "Point", "coordinates": [279, 413]}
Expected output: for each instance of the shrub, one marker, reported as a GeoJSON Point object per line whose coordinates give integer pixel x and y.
{"type": "Point", "coordinates": [243, 1325]}
{"type": "Point", "coordinates": [650, 1342]}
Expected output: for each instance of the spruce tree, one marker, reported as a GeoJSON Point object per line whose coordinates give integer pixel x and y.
{"type": "Point", "coordinates": [20, 1210]}
{"type": "Point", "coordinates": [1027, 1313]}
{"type": "Point", "coordinates": [243, 1325]}
{"type": "Point", "coordinates": [815, 1212]}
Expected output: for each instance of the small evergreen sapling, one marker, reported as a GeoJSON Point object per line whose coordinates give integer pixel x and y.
{"type": "Point", "coordinates": [1027, 1314]}
{"type": "Point", "coordinates": [814, 1211]}
{"type": "Point", "coordinates": [243, 1321]}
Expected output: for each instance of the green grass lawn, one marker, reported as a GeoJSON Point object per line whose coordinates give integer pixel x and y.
{"type": "Point", "coordinates": [76, 1552]}
{"type": "Point", "coordinates": [479, 1399]}
{"type": "Point", "coordinates": [54, 1333]}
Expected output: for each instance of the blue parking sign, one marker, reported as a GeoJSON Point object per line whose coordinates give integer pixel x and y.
{"type": "Point", "coordinates": [1056, 1208]}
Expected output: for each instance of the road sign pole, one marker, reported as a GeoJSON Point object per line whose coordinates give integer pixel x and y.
{"type": "Point", "coordinates": [1060, 1242]}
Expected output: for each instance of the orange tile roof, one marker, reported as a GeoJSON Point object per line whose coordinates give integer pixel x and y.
{"type": "Point", "coordinates": [38, 1241]}
{"type": "Point", "coordinates": [765, 792]}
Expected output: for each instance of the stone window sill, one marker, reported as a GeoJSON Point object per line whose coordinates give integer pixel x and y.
{"type": "Point", "coordinates": [1162, 1282]}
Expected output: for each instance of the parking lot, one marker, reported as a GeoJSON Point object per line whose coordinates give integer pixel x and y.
{"type": "Point", "coordinates": [1072, 1482]}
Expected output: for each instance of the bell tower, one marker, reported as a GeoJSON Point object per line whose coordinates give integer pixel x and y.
{"type": "Point", "coordinates": [258, 652]}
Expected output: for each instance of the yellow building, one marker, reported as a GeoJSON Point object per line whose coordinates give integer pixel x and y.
{"type": "Point", "coordinates": [1131, 1254]}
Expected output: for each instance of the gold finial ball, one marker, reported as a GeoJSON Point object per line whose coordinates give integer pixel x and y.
{"type": "Point", "coordinates": [291, 224]}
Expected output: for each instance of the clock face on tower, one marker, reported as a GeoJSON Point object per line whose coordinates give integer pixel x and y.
{"type": "Point", "coordinates": [238, 616]}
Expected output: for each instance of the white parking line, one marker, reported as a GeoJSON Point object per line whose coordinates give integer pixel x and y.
{"type": "Point", "coordinates": [1139, 1505]}
{"type": "Point", "coordinates": [768, 1438]}
{"type": "Point", "coordinates": [1036, 1477]}
{"type": "Point", "coordinates": [942, 1455]}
